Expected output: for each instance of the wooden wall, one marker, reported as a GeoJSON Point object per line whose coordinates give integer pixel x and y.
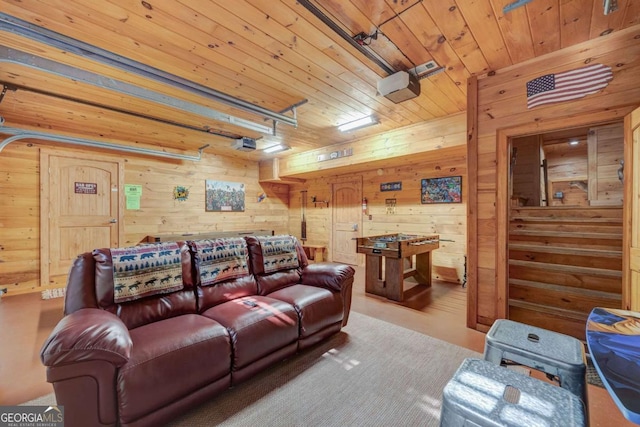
{"type": "Point", "coordinates": [159, 212]}
{"type": "Point", "coordinates": [567, 172]}
{"type": "Point", "coordinates": [606, 152]}
{"type": "Point", "coordinates": [500, 113]}
{"type": "Point", "coordinates": [399, 147]}
{"type": "Point", "coordinates": [431, 149]}
{"type": "Point", "coordinates": [410, 215]}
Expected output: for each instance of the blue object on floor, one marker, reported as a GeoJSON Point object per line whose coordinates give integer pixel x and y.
{"type": "Point", "coordinates": [613, 338]}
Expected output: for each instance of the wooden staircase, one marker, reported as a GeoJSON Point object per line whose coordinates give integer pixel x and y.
{"type": "Point", "coordinates": [562, 263]}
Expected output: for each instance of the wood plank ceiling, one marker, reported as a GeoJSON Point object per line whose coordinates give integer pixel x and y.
{"type": "Point", "coordinates": [276, 54]}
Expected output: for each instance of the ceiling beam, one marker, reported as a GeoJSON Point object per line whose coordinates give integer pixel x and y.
{"type": "Point", "coordinates": [18, 134]}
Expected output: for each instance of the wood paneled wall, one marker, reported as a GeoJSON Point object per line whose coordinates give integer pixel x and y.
{"type": "Point", "coordinates": [402, 146]}
{"type": "Point", "coordinates": [502, 113]}
{"type": "Point", "coordinates": [606, 153]}
{"type": "Point", "coordinates": [159, 212]}
{"type": "Point", "coordinates": [410, 215]}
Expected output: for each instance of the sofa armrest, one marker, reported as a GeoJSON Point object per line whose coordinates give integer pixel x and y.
{"type": "Point", "coordinates": [88, 334]}
{"type": "Point", "coordinates": [333, 276]}
{"type": "Point", "coordinates": [329, 275]}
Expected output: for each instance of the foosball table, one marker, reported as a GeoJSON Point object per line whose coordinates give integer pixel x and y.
{"type": "Point", "coordinates": [398, 252]}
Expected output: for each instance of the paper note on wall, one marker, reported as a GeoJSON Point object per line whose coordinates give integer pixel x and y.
{"type": "Point", "coordinates": [132, 194]}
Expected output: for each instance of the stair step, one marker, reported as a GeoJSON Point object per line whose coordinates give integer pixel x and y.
{"type": "Point", "coordinates": [566, 234]}
{"type": "Point", "coordinates": [554, 218]}
{"type": "Point", "coordinates": [570, 314]}
{"type": "Point", "coordinates": [568, 322]}
{"type": "Point", "coordinates": [567, 268]}
{"type": "Point", "coordinates": [566, 289]}
{"type": "Point", "coordinates": [580, 220]}
{"type": "Point", "coordinates": [585, 213]}
{"type": "Point", "coordinates": [566, 250]}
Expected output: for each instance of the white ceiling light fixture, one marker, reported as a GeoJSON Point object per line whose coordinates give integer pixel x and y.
{"type": "Point", "coordinates": [276, 148]}
{"type": "Point", "coordinates": [358, 124]}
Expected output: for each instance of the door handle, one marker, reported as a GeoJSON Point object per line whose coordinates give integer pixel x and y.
{"type": "Point", "coordinates": [113, 220]}
{"type": "Point", "coordinates": [354, 227]}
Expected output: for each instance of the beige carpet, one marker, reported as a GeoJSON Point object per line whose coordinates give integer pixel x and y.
{"type": "Point", "coordinates": [372, 373]}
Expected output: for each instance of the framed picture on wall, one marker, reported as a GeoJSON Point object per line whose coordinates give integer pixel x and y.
{"type": "Point", "coordinates": [223, 196]}
{"type": "Point", "coordinates": [441, 190]}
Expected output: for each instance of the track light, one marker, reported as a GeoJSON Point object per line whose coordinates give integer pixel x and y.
{"type": "Point", "coordinates": [358, 124]}
{"type": "Point", "coordinates": [276, 148]}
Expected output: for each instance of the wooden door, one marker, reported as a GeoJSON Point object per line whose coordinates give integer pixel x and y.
{"type": "Point", "coordinates": [347, 220]}
{"type": "Point", "coordinates": [80, 209]}
{"type": "Point", "coordinates": [631, 255]}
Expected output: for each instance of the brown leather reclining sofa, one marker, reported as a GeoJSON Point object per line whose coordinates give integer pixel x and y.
{"type": "Point", "coordinates": [151, 331]}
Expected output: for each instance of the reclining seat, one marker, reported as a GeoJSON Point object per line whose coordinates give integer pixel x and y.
{"type": "Point", "coordinates": [123, 334]}
{"type": "Point", "coordinates": [320, 293]}
{"type": "Point", "coordinates": [263, 330]}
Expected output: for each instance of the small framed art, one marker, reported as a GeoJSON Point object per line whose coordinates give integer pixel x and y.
{"type": "Point", "coordinates": [441, 190]}
{"type": "Point", "coordinates": [222, 196]}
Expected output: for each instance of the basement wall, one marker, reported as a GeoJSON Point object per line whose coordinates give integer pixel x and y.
{"type": "Point", "coordinates": [159, 213]}
{"type": "Point", "coordinates": [410, 215]}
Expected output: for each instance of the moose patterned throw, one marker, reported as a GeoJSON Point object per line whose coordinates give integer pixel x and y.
{"type": "Point", "coordinates": [278, 253]}
{"type": "Point", "coordinates": [222, 259]}
{"type": "Point", "coordinates": [146, 270]}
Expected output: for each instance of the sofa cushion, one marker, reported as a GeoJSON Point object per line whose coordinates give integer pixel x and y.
{"type": "Point", "coordinates": [221, 259]}
{"type": "Point", "coordinates": [317, 308]}
{"type": "Point", "coordinates": [265, 254]}
{"type": "Point", "coordinates": [222, 267]}
{"type": "Point", "coordinates": [146, 270]}
{"type": "Point", "coordinates": [150, 308]}
{"type": "Point", "coordinates": [278, 253]}
{"type": "Point", "coordinates": [258, 326]}
{"type": "Point", "coordinates": [170, 360]}
{"type": "Point", "coordinates": [273, 253]}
